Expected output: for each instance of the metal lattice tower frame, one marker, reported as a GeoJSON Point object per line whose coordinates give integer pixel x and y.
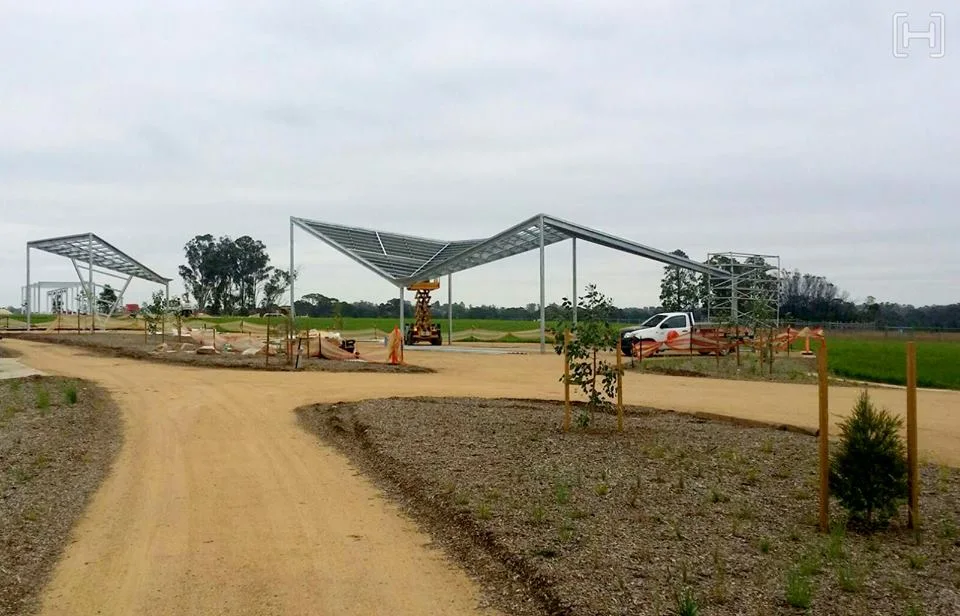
{"type": "Point", "coordinates": [405, 259]}
{"type": "Point", "coordinates": [90, 250]}
{"type": "Point", "coordinates": [750, 292]}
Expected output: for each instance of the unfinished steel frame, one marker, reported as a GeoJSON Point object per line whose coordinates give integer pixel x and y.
{"type": "Point", "coordinates": [749, 293]}
{"type": "Point", "coordinates": [404, 259]}
{"type": "Point", "coordinates": [93, 251]}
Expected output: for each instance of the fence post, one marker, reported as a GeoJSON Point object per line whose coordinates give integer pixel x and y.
{"type": "Point", "coordinates": [824, 435]}
{"type": "Point", "coordinates": [566, 383]}
{"type": "Point", "coordinates": [620, 387]}
{"type": "Point", "coordinates": [912, 462]}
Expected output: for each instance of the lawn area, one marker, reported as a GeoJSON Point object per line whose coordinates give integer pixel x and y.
{"type": "Point", "coordinates": [864, 359]}
{"type": "Point", "coordinates": [884, 361]}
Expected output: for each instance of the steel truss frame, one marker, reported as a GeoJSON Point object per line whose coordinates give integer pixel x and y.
{"type": "Point", "coordinates": [749, 294]}
{"type": "Point", "coordinates": [93, 252]}
{"type": "Point", "coordinates": [405, 259]}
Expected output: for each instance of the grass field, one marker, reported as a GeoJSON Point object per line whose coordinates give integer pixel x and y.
{"type": "Point", "coordinates": [885, 361]}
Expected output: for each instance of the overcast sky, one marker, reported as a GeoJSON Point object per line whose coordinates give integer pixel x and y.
{"type": "Point", "coordinates": [787, 128]}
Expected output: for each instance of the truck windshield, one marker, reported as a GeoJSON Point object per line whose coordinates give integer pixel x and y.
{"type": "Point", "coordinates": [654, 320]}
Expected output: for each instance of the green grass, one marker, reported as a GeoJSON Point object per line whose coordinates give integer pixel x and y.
{"type": "Point", "coordinates": [385, 324]}
{"type": "Point", "coordinates": [885, 361]}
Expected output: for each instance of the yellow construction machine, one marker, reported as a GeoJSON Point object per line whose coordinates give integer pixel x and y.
{"type": "Point", "coordinates": [423, 329]}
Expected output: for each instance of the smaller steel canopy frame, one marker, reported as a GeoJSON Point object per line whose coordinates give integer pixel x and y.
{"type": "Point", "coordinates": [92, 251]}
{"type": "Point", "coordinates": [71, 295]}
{"type": "Point", "coordinates": [405, 259]}
{"type": "Point", "coordinates": [750, 293]}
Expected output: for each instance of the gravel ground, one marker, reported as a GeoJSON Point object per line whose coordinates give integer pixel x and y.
{"type": "Point", "coordinates": [596, 522]}
{"type": "Point", "coordinates": [133, 346]}
{"type": "Point", "coordinates": [53, 455]}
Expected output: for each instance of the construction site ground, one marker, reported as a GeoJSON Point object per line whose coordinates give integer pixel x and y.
{"type": "Point", "coordinates": [220, 503]}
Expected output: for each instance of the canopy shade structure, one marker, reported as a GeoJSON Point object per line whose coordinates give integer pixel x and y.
{"type": "Point", "coordinates": [90, 250]}
{"type": "Point", "coordinates": [405, 259]}
{"type": "Point", "coordinates": [90, 247]}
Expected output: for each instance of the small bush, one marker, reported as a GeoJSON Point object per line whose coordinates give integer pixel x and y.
{"type": "Point", "coordinates": [799, 589]}
{"type": "Point", "coordinates": [43, 399]}
{"type": "Point", "coordinates": [686, 604]}
{"type": "Point", "coordinates": [70, 394]}
{"type": "Point", "coordinates": [764, 545]}
{"type": "Point", "coordinates": [562, 493]}
{"type": "Point", "coordinates": [849, 579]}
{"type": "Point", "coordinates": [868, 472]}
{"type": "Point", "coordinates": [602, 489]}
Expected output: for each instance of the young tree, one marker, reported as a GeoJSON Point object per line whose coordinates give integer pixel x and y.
{"type": "Point", "coordinates": [275, 286]}
{"type": "Point", "coordinates": [593, 335]}
{"type": "Point", "coordinates": [868, 471]}
{"type": "Point", "coordinates": [679, 288]}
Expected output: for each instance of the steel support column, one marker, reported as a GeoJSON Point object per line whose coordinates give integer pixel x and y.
{"type": "Point", "coordinates": [450, 309]}
{"type": "Point", "coordinates": [293, 311]}
{"type": "Point", "coordinates": [91, 299]}
{"type": "Point", "coordinates": [543, 295]}
{"type": "Point", "coordinates": [26, 293]}
{"type": "Point", "coordinates": [402, 336]}
{"type": "Point", "coordinates": [574, 296]}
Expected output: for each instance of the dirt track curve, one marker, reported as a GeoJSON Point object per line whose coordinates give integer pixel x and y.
{"type": "Point", "coordinates": [220, 504]}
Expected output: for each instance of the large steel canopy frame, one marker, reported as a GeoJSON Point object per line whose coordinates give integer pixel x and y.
{"type": "Point", "coordinates": [93, 251]}
{"type": "Point", "coordinates": [405, 259]}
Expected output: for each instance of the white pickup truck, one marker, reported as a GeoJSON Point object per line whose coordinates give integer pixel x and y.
{"type": "Point", "coordinates": [665, 326]}
{"type": "Point", "coordinates": [657, 328]}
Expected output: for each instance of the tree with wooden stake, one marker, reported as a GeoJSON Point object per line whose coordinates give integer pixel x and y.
{"type": "Point", "coordinates": [592, 336]}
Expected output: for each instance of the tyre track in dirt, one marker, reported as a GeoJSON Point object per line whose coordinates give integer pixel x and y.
{"type": "Point", "coordinates": [219, 503]}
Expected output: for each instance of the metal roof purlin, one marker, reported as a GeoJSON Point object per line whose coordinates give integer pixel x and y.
{"type": "Point", "coordinates": [104, 254]}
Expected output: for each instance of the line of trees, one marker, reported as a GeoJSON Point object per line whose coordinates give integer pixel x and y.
{"type": "Point", "coordinates": [231, 276]}
{"type": "Point", "coordinates": [319, 305]}
{"type": "Point", "coordinates": [802, 297]}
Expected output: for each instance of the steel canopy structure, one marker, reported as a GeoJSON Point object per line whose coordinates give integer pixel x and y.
{"type": "Point", "coordinates": [404, 259]}
{"type": "Point", "coordinates": [93, 251]}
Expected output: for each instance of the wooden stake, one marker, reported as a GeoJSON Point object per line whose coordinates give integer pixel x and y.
{"type": "Point", "coordinates": [620, 387]}
{"type": "Point", "coordinates": [824, 441]}
{"type": "Point", "coordinates": [913, 480]}
{"type": "Point", "coordinates": [566, 383]}
{"type": "Point", "coordinates": [266, 350]}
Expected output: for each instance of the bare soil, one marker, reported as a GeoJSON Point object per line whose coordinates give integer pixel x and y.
{"type": "Point", "coordinates": [133, 346]}
{"type": "Point", "coordinates": [599, 522]}
{"type": "Point", "coordinates": [53, 455]}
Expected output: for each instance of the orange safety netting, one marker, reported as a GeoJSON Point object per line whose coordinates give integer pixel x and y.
{"type": "Point", "coordinates": [699, 342]}
{"type": "Point", "coordinates": [692, 343]}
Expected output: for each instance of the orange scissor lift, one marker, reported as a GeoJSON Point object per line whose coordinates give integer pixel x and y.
{"type": "Point", "coordinates": [423, 329]}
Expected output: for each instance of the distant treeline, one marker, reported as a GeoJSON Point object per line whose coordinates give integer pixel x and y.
{"type": "Point", "coordinates": [805, 304]}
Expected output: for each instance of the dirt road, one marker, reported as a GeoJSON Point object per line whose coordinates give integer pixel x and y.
{"type": "Point", "coordinates": [220, 504]}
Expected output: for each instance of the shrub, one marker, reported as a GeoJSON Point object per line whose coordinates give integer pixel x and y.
{"type": "Point", "coordinates": [868, 471]}
{"type": "Point", "coordinates": [799, 591]}
{"type": "Point", "coordinates": [70, 394]}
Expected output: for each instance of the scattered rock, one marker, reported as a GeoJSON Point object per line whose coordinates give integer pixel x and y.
{"type": "Point", "coordinates": [207, 350]}
{"type": "Point", "coordinates": [251, 351]}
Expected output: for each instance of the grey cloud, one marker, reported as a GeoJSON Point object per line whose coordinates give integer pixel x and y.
{"type": "Point", "coordinates": [705, 126]}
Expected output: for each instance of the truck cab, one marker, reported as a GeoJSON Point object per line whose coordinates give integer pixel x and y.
{"type": "Point", "coordinates": [659, 328]}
